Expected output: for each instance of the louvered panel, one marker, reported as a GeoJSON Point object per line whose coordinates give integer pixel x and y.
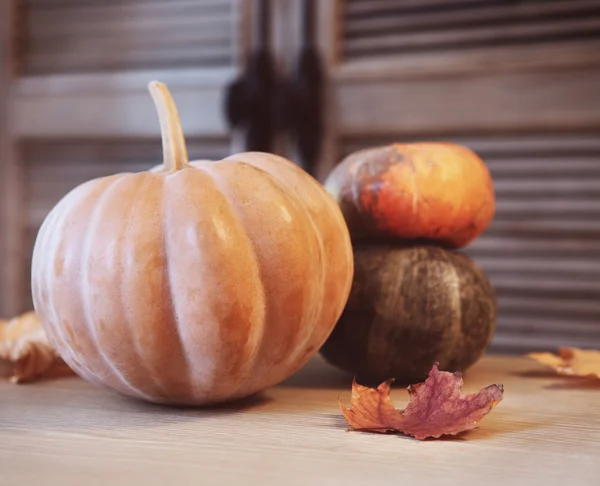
{"type": "Point", "coordinates": [54, 168]}
{"type": "Point", "coordinates": [542, 251]}
{"type": "Point", "coordinates": [110, 35]}
{"type": "Point", "coordinates": [379, 28]}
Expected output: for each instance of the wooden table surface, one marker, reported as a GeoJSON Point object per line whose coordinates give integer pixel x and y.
{"type": "Point", "coordinates": [67, 432]}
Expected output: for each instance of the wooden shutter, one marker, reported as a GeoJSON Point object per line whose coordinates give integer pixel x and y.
{"type": "Point", "coordinates": [81, 108]}
{"type": "Point", "coordinates": [518, 83]}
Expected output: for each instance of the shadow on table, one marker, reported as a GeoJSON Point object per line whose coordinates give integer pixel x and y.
{"type": "Point", "coordinates": [319, 374]}
{"type": "Point", "coordinates": [240, 405]}
{"type": "Point", "coordinates": [560, 382]}
{"type": "Point", "coordinates": [494, 426]}
{"type": "Point", "coordinates": [567, 383]}
{"type": "Point", "coordinates": [70, 404]}
{"type": "Point", "coordinates": [535, 373]}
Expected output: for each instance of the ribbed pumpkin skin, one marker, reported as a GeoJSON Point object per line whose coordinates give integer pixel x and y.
{"type": "Point", "coordinates": [198, 287]}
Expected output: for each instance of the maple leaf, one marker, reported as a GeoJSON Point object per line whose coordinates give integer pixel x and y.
{"type": "Point", "coordinates": [24, 344]}
{"type": "Point", "coordinates": [571, 362]}
{"type": "Point", "coordinates": [436, 407]}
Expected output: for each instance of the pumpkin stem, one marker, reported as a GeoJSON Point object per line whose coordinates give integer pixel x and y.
{"type": "Point", "coordinates": [174, 151]}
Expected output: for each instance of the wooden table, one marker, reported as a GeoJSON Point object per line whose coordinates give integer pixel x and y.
{"type": "Point", "coordinates": [66, 432]}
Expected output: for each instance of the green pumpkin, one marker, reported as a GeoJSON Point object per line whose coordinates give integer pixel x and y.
{"type": "Point", "coordinates": [409, 307]}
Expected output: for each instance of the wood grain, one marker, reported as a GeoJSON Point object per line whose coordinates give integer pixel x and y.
{"type": "Point", "coordinates": [545, 431]}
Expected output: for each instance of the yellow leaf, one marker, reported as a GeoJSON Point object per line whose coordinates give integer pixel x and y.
{"type": "Point", "coordinates": [24, 344]}
{"type": "Point", "coordinates": [571, 362]}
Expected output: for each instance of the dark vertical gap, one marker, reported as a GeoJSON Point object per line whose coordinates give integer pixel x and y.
{"type": "Point", "coordinates": [308, 23]}
{"type": "Point", "coordinates": [262, 31]}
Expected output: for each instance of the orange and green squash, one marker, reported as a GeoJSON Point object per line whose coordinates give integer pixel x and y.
{"type": "Point", "coordinates": [429, 192]}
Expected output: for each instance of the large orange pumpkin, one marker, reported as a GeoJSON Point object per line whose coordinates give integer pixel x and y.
{"type": "Point", "coordinates": [436, 192]}
{"type": "Point", "coordinates": [195, 283]}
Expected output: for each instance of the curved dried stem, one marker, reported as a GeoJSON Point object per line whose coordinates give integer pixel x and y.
{"type": "Point", "coordinates": [174, 150]}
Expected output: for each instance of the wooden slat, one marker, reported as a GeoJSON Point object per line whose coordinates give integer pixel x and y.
{"type": "Point", "coordinates": [127, 16]}
{"type": "Point", "coordinates": [94, 27]}
{"type": "Point", "coordinates": [120, 82]}
{"type": "Point", "coordinates": [477, 61]}
{"type": "Point", "coordinates": [551, 327]}
{"type": "Point", "coordinates": [520, 343]}
{"type": "Point", "coordinates": [559, 307]}
{"type": "Point", "coordinates": [570, 144]}
{"type": "Point", "coordinates": [545, 184]}
{"type": "Point", "coordinates": [544, 267]}
{"type": "Point", "coordinates": [528, 284]}
{"type": "Point", "coordinates": [198, 38]}
{"type": "Point", "coordinates": [90, 4]}
{"type": "Point", "coordinates": [144, 57]}
{"type": "Point", "coordinates": [515, 246]}
{"type": "Point", "coordinates": [503, 149]}
{"type": "Point", "coordinates": [566, 308]}
{"type": "Point", "coordinates": [360, 8]}
{"type": "Point", "coordinates": [551, 206]}
{"type": "Point", "coordinates": [578, 163]}
{"type": "Point", "coordinates": [550, 228]}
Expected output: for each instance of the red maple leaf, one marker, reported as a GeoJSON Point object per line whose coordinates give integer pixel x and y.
{"type": "Point", "coordinates": [437, 407]}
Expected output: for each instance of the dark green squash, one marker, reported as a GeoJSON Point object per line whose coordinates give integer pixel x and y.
{"type": "Point", "coordinates": [409, 307]}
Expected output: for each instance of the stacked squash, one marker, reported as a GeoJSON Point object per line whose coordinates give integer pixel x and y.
{"type": "Point", "coordinates": [416, 299]}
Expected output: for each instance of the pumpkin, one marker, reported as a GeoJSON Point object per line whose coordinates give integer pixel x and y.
{"type": "Point", "coordinates": [428, 192]}
{"type": "Point", "coordinates": [409, 307]}
{"type": "Point", "coordinates": [198, 283]}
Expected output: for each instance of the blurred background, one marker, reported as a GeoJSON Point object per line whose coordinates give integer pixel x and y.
{"type": "Point", "coordinates": [516, 81]}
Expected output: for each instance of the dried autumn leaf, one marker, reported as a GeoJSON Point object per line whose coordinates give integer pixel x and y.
{"type": "Point", "coordinates": [436, 407]}
{"type": "Point", "coordinates": [572, 362]}
{"type": "Point", "coordinates": [24, 344]}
